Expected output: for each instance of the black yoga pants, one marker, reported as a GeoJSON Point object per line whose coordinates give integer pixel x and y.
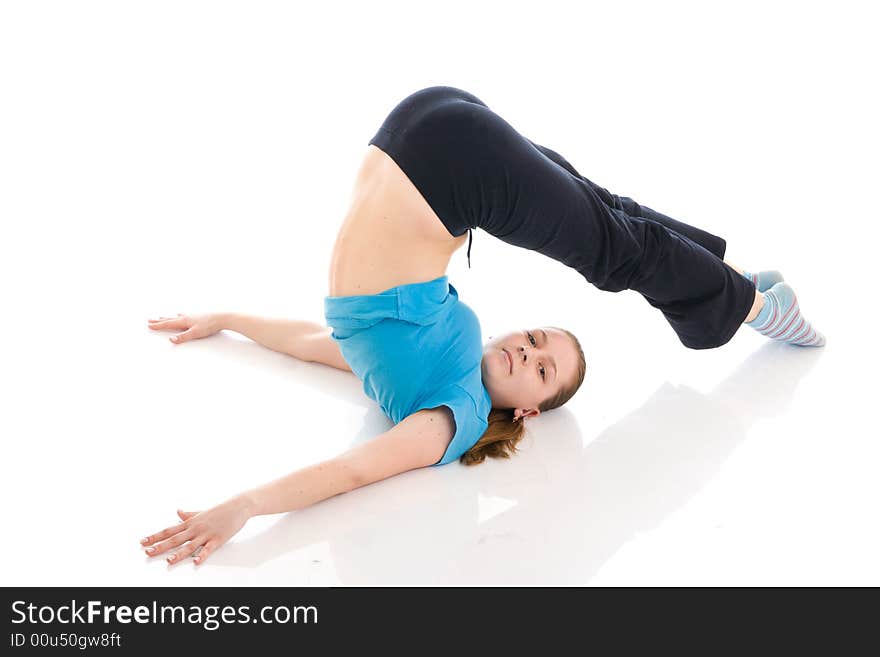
{"type": "Point", "coordinates": [476, 171]}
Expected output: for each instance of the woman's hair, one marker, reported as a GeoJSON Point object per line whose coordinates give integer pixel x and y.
{"type": "Point", "coordinates": [502, 435]}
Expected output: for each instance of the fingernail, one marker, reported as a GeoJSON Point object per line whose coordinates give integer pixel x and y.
{"type": "Point", "coordinates": [151, 549]}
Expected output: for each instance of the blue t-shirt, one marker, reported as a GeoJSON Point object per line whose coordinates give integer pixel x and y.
{"type": "Point", "coordinates": [416, 346]}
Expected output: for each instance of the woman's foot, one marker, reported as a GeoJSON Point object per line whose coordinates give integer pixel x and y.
{"type": "Point", "coordinates": [780, 318]}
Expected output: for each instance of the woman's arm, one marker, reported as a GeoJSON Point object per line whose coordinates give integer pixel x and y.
{"type": "Point", "coordinates": [307, 341]}
{"type": "Point", "coordinates": [419, 440]}
{"type": "Point", "coordinates": [288, 336]}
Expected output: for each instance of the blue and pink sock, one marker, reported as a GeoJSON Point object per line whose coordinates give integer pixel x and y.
{"type": "Point", "coordinates": [781, 318]}
{"type": "Point", "coordinates": [763, 280]}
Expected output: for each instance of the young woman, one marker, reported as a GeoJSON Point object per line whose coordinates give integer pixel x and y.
{"type": "Point", "coordinates": [441, 165]}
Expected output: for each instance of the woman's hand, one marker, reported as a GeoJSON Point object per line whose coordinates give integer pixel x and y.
{"type": "Point", "coordinates": [193, 326]}
{"type": "Point", "coordinates": [207, 530]}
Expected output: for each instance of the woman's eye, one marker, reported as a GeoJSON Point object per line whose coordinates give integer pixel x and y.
{"type": "Point", "coordinates": [535, 343]}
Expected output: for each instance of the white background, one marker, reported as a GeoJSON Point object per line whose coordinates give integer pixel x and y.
{"type": "Point", "coordinates": [180, 157]}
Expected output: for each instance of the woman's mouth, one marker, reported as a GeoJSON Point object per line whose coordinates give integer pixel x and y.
{"type": "Point", "coordinates": [509, 360]}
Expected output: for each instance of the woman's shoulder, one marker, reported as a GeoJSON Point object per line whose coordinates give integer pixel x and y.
{"type": "Point", "coordinates": [470, 405]}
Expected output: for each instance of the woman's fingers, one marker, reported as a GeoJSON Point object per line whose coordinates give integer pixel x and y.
{"type": "Point", "coordinates": [192, 327]}
{"type": "Point", "coordinates": [189, 334]}
{"type": "Point", "coordinates": [173, 542]}
{"type": "Point", "coordinates": [193, 549]}
{"type": "Point", "coordinates": [206, 551]}
{"type": "Point", "coordinates": [178, 322]}
{"type": "Point", "coordinates": [185, 551]}
{"type": "Point", "coordinates": [165, 533]}
{"type": "Point", "coordinates": [164, 321]}
{"type": "Point", "coordinates": [204, 530]}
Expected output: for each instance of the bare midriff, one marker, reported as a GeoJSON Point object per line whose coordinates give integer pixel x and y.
{"type": "Point", "coordinates": [390, 236]}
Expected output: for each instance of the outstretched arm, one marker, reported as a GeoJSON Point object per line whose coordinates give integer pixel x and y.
{"type": "Point", "coordinates": [419, 440]}
{"type": "Point", "coordinates": [305, 340]}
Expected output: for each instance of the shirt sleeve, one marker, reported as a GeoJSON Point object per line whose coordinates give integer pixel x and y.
{"type": "Point", "coordinates": [469, 426]}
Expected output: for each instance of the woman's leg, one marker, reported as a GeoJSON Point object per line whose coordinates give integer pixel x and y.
{"type": "Point", "coordinates": [476, 171]}
{"type": "Point", "coordinates": [763, 280]}
{"type": "Point", "coordinates": [757, 305]}
{"type": "Point", "coordinates": [724, 295]}
{"type": "Point", "coordinates": [735, 268]}
{"type": "Point", "coordinates": [707, 240]}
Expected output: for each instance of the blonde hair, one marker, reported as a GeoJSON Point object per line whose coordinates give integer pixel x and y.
{"type": "Point", "coordinates": [500, 438]}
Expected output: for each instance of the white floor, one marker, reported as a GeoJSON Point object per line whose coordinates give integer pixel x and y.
{"type": "Point", "coordinates": [149, 168]}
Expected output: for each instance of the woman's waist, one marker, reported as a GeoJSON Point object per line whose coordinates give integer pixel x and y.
{"type": "Point", "coordinates": [384, 195]}
{"type": "Point", "coordinates": [382, 243]}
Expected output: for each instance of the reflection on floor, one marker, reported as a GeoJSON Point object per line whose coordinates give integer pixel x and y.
{"type": "Point", "coordinates": [746, 464]}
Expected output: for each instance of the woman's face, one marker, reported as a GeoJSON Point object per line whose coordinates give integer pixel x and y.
{"type": "Point", "coordinates": [523, 368]}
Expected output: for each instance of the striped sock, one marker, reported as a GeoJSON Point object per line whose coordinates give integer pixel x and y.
{"type": "Point", "coordinates": [763, 280]}
{"type": "Point", "coordinates": [781, 319]}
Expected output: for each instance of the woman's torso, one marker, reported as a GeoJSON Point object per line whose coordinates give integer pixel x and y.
{"type": "Point", "coordinates": [390, 236]}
